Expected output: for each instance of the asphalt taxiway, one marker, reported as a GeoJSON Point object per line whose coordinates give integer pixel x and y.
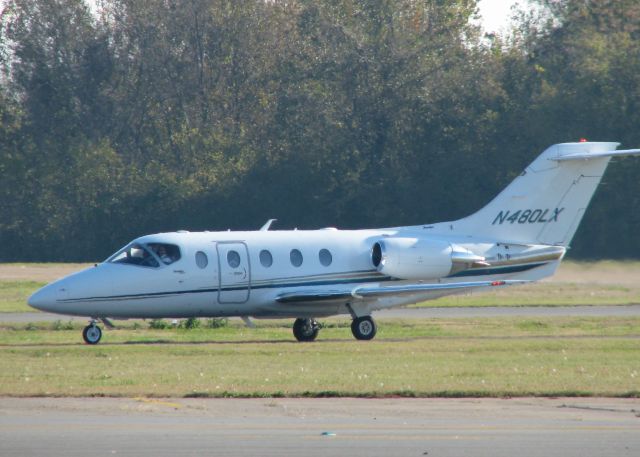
{"type": "Point", "coordinates": [520, 427]}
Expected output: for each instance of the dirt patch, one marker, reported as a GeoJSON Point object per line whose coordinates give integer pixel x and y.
{"type": "Point", "coordinates": [38, 271]}
{"type": "Point", "coordinates": [605, 272]}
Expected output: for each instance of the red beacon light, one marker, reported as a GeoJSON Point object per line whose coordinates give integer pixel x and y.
{"type": "Point", "coordinates": [583, 140]}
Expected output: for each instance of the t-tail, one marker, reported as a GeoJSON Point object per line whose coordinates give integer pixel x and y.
{"type": "Point", "coordinates": [545, 204]}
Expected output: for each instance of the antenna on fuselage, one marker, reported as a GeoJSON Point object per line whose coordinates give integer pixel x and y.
{"type": "Point", "coordinates": [267, 225]}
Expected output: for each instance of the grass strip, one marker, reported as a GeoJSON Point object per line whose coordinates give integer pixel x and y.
{"type": "Point", "coordinates": [333, 329]}
{"type": "Point", "coordinates": [458, 357]}
{"type": "Point", "coordinates": [14, 295]}
{"type": "Point", "coordinates": [544, 294]}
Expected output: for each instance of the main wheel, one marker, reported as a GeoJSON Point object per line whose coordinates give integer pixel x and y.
{"type": "Point", "coordinates": [92, 334]}
{"type": "Point", "coordinates": [305, 329]}
{"type": "Point", "coordinates": [363, 328]}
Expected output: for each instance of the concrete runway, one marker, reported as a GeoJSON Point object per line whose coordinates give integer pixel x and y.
{"type": "Point", "coordinates": [526, 427]}
{"type": "Point", "coordinates": [407, 313]}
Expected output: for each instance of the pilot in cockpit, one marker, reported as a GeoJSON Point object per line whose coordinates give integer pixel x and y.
{"type": "Point", "coordinates": [162, 253]}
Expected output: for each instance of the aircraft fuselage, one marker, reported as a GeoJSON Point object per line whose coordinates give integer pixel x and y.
{"type": "Point", "coordinates": [520, 236]}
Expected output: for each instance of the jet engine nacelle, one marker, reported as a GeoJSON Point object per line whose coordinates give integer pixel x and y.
{"type": "Point", "coordinates": [416, 258]}
{"type": "Point", "coordinates": [412, 258]}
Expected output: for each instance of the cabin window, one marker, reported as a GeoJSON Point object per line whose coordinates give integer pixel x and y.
{"type": "Point", "coordinates": [233, 259]}
{"type": "Point", "coordinates": [266, 260]}
{"type": "Point", "coordinates": [325, 257]}
{"type": "Point", "coordinates": [296, 257]}
{"type": "Point", "coordinates": [135, 254]}
{"type": "Point", "coordinates": [167, 253]}
{"type": "Point", "coordinates": [201, 259]}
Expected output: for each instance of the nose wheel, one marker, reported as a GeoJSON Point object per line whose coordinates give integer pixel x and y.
{"type": "Point", "coordinates": [364, 328]}
{"type": "Point", "coordinates": [92, 333]}
{"type": "Point", "coordinates": [305, 329]}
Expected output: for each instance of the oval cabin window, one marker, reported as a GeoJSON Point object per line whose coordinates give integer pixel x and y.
{"type": "Point", "coordinates": [296, 258]}
{"type": "Point", "coordinates": [325, 257]}
{"type": "Point", "coordinates": [201, 259]}
{"type": "Point", "coordinates": [266, 260]}
{"type": "Point", "coordinates": [233, 259]}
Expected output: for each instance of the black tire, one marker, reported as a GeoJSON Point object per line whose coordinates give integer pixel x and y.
{"type": "Point", "coordinates": [305, 329]}
{"type": "Point", "coordinates": [91, 334]}
{"type": "Point", "coordinates": [364, 328]}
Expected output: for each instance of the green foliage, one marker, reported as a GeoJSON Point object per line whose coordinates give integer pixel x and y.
{"type": "Point", "coordinates": [217, 322]}
{"type": "Point", "coordinates": [147, 117]}
{"type": "Point", "coordinates": [59, 325]}
{"type": "Point", "coordinates": [158, 324]}
{"type": "Point", "coordinates": [191, 323]}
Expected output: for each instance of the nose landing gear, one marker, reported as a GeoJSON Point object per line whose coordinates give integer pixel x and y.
{"type": "Point", "coordinates": [92, 333]}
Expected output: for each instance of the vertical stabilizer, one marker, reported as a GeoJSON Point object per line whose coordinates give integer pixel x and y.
{"type": "Point", "coordinates": [545, 204]}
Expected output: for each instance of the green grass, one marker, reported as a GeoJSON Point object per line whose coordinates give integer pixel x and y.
{"type": "Point", "coordinates": [14, 294]}
{"type": "Point", "coordinates": [426, 357]}
{"type": "Point", "coordinates": [337, 328]}
{"type": "Point", "coordinates": [421, 357]}
{"type": "Point", "coordinates": [544, 294]}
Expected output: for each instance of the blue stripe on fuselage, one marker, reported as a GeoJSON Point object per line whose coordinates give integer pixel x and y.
{"type": "Point", "coordinates": [228, 289]}
{"type": "Point", "coordinates": [379, 278]}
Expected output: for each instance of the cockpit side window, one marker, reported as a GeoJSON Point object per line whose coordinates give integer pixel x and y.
{"type": "Point", "coordinates": [135, 254]}
{"type": "Point", "coordinates": [167, 253]}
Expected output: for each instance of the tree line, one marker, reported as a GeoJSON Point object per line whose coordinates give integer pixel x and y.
{"type": "Point", "coordinates": [125, 117]}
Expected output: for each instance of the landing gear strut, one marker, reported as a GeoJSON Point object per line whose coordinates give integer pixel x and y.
{"type": "Point", "coordinates": [363, 328]}
{"type": "Point", "coordinates": [305, 329]}
{"type": "Point", "coordinates": [92, 333]}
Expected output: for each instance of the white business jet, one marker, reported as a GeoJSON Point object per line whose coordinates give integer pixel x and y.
{"type": "Point", "coordinates": [520, 236]}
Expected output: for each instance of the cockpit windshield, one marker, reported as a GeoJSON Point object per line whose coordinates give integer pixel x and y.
{"type": "Point", "coordinates": [147, 255]}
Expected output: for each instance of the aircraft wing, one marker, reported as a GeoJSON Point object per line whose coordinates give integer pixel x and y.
{"type": "Point", "coordinates": [364, 292]}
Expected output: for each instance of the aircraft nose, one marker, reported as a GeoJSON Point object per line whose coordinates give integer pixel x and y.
{"type": "Point", "coordinates": [43, 299]}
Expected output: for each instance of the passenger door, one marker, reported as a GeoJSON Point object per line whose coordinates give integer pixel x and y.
{"type": "Point", "coordinates": [234, 272]}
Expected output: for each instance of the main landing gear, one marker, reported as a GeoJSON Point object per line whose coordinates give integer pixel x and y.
{"type": "Point", "coordinates": [364, 328]}
{"type": "Point", "coordinates": [92, 333]}
{"type": "Point", "coordinates": [307, 329]}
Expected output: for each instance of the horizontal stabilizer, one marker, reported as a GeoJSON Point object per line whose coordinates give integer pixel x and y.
{"type": "Point", "coordinates": [374, 292]}
{"type": "Point", "coordinates": [595, 155]}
